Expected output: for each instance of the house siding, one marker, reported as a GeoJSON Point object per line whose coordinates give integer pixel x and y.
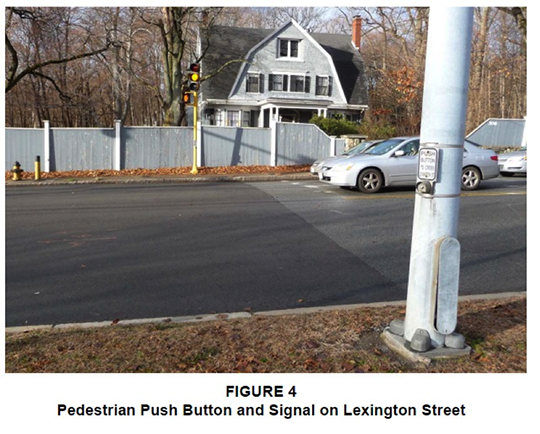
{"type": "Point", "coordinates": [311, 62]}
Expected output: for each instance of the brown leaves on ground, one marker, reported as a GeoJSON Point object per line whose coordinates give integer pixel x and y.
{"type": "Point", "coordinates": [333, 341]}
{"type": "Point", "coordinates": [167, 171]}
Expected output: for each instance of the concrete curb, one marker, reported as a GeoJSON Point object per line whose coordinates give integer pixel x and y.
{"type": "Point", "coordinates": [243, 315]}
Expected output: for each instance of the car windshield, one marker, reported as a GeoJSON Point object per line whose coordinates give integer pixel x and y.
{"type": "Point", "coordinates": [358, 149]}
{"type": "Point", "coordinates": [384, 147]}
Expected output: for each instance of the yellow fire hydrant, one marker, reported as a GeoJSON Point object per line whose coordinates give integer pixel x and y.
{"type": "Point", "coordinates": [17, 171]}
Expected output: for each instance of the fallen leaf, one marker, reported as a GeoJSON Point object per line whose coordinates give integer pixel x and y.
{"type": "Point", "coordinates": [312, 344]}
{"type": "Point", "coordinates": [349, 366]}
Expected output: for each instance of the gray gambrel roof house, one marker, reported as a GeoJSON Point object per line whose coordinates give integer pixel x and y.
{"type": "Point", "coordinates": [286, 74]}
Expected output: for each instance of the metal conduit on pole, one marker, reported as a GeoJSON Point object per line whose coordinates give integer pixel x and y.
{"type": "Point", "coordinates": [431, 311]}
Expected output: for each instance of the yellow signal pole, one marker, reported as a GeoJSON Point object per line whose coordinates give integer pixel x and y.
{"type": "Point", "coordinates": [194, 78]}
{"type": "Point", "coordinates": [195, 170]}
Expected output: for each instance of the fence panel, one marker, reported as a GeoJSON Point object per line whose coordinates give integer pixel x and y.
{"type": "Point", "coordinates": [23, 145]}
{"type": "Point", "coordinates": [155, 147]}
{"type": "Point", "coordinates": [230, 146]}
{"type": "Point", "coordinates": [340, 146]}
{"type": "Point", "coordinates": [301, 144]}
{"type": "Point", "coordinates": [81, 148]}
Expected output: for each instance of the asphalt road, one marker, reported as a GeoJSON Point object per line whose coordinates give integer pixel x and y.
{"type": "Point", "coordinates": [101, 252]}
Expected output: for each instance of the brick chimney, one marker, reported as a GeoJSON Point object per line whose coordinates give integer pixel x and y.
{"type": "Point", "coordinates": [356, 31]}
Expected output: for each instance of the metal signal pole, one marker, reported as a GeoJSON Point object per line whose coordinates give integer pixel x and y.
{"type": "Point", "coordinates": [431, 312]}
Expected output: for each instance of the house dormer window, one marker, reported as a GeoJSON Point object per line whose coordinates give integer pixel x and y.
{"type": "Point", "coordinates": [288, 48]}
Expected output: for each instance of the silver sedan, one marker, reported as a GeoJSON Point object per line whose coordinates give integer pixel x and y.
{"type": "Point", "coordinates": [513, 162]}
{"type": "Point", "coordinates": [395, 162]}
{"type": "Point", "coordinates": [355, 150]}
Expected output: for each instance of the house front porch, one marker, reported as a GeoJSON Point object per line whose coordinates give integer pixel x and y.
{"type": "Point", "coordinates": [263, 112]}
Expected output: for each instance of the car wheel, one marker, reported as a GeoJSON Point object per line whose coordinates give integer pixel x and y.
{"type": "Point", "coordinates": [470, 178]}
{"type": "Point", "coordinates": [370, 181]}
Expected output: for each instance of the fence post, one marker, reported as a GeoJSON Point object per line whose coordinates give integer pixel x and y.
{"type": "Point", "coordinates": [332, 146]}
{"type": "Point", "coordinates": [524, 137]}
{"type": "Point", "coordinates": [117, 145]}
{"type": "Point", "coordinates": [46, 147]}
{"type": "Point", "coordinates": [273, 142]}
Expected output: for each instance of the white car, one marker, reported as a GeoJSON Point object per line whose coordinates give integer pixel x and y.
{"type": "Point", "coordinates": [395, 162]}
{"type": "Point", "coordinates": [355, 150]}
{"type": "Point", "coordinates": [513, 162]}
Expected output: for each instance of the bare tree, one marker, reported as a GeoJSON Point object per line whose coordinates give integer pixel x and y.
{"type": "Point", "coordinates": [483, 19]}
{"type": "Point", "coordinates": [311, 19]}
{"type": "Point", "coordinates": [520, 16]}
{"type": "Point", "coordinates": [177, 28]}
{"type": "Point", "coordinates": [90, 66]}
{"type": "Point", "coordinates": [17, 70]}
{"type": "Point", "coordinates": [393, 47]}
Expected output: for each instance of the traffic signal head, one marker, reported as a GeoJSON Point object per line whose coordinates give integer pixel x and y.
{"type": "Point", "coordinates": [194, 76]}
{"type": "Point", "coordinates": [187, 98]}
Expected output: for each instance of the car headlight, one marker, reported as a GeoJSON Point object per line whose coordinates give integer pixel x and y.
{"type": "Point", "coordinates": [343, 167]}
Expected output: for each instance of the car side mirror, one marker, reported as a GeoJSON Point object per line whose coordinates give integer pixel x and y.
{"type": "Point", "coordinates": [399, 153]}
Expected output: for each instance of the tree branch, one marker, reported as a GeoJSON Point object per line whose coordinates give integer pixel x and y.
{"type": "Point", "coordinates": [13, 79]}
{"type": "Point", "coordinates": [46, 77]}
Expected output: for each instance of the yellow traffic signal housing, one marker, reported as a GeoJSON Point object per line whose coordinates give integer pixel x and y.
{"type": "Point", "coordinates": [194, 77]}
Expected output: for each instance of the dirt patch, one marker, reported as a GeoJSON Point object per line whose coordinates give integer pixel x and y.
{"type": "Point", "coordinates": [167, 171]}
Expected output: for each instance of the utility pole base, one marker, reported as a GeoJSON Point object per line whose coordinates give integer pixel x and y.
{"type": "Point", "coordinates": [399, 345]}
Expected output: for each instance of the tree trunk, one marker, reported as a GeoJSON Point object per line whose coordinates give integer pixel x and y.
{"type": "Point", "coordinates": [172, 26]}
